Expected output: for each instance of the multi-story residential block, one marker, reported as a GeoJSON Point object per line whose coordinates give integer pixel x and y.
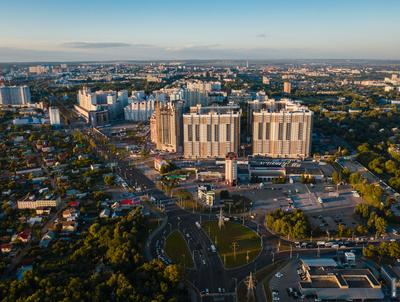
{"type": "Point", "coordinates": [167, 126]}
{"type": "Point", "coordinates": [287, 87]}
{"type": "Point", "coordinates": [282, 129]}
{"type": "Point", "coordinates": [141, 107]}
{"type": "Point", "coordinates": [54, 114]}
{"type": "Point", "coordinates": [231, 169]}
{"type": "Point", "coordinates": [39, 69]}
{"type": "Point", "coordinates": [15, 95]}
{"type": "Point", "coordinates": [100, 107]}
{"type": "Point", "coordinates": [211, 131]}
{"type": "Point", "coordinates": [40, 203]}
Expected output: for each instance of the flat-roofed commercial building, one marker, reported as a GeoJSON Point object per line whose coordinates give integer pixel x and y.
{"type": "Point", "coordinates": [282, 129]}
{"type": "Point", "coordinates": [210, 132]}
{"type": "Point", "coordinates": [325, 280]}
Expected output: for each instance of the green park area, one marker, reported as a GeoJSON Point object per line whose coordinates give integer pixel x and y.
{"type": "Point", "coordinates": [236, 244]}
{"type": "Point", "coordinates": [177, 250]}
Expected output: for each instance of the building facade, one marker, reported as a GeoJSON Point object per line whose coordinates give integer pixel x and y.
{"type": "Point", "coordinates": [168, 126]}
{"type": "Point", "coordinates": [210, 132]}
{"type": "Point", "coordinates": [287, 87]}
{"type": "Point", "coordinates": [54, 114]}
{"type": "Point", "coordinates": [100, 107]}
{"type": "Point", "coordinates": [139, 110]}
{"type": "Point", "coordinates": [231, 169]}
{"type": "Point", "coordinates": [15, 95]}
{"type": "Point", "coordinates": [282, 130]}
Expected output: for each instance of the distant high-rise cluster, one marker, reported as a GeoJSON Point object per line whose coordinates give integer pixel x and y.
{"type": "Point", "coordinates": [100, 107]}
{"type": "Point", "coordinates": [15, 95]}
{"type": "Point", "coordinates": [282, 129]}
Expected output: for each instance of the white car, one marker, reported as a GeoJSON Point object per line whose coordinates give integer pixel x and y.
{"type": "Point", "coordinates": [278, 275]}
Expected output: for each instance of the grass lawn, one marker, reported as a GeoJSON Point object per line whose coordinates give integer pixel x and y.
{"type": "Point", "coordinates": [248, 242]}
{"type": "Point", "coordinates": [177, 250]}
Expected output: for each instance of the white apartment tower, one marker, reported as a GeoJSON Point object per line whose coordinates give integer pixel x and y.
{"type": "Point", "coordinates": [210, 132]}
{"type": "Point", "coordinates": [283, 129]}
{"type": "Point", "coordinates": [54, 115]}
{"type": "Point", "coordinates": [15, 95]}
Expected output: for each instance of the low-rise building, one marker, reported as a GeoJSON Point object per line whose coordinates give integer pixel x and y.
{"type": "Point", "coordinates": [325, 280]}
{"type": "Point", "coordinates": [39, 203]}
{"type": "Point", "coordinates": [207, 194]}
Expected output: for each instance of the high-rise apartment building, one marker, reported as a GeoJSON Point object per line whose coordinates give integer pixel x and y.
{"type": "Point", "coordinates": [101, 106]}
{"type": "Point", "coordinates": [287, 87]}
{"type": "Point", "coordinates": [167, 127]}
{"type": "Point", "coordinates": [231, 169]}
{"type": "Point", "coordinates": [54, 114]}
{"type": "Point", "coordinates": [15, 95]}
{"type": "Point", "coordinates": [211, 131]}
{"type": "Point", "coordinates": [141, 107]}
{"type": "Point", "coordinates": [283, 129]}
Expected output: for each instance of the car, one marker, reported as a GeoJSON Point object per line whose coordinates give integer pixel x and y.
{"type": "Point", "coordinates": [219, 290]}
{"type": "Point", "coordinates": [207, 291]}
{"type": "Point", "coordinates": [278, 275]}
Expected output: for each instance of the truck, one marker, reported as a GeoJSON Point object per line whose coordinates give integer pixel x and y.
{"type": "Point", "coordinates": [198, 225]}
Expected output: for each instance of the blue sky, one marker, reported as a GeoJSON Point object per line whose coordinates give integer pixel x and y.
{"type": "Point", "coordinates": [34, 30]}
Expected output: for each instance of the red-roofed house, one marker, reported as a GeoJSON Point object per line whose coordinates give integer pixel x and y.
{"type": "Point", "coordinates": [24, 236]}
{"type": "Point", "coordinates": [6, 248]}
{"type": "Point", "coordinates": [73, 204]}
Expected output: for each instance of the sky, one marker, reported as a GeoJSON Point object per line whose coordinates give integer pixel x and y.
{"type": "Point", "coordinates": [79, 30]}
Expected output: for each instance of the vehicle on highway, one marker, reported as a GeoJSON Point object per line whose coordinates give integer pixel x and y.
{"type": "Point", "coordinates": [213, 249]}
{"type": "Point", "coordinates": [278, 275]}
{"type": "Point", "coordinates": [198, 225]}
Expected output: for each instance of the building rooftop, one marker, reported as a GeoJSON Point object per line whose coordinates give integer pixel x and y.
{"type": "Point", "coordinates": [315, 262]}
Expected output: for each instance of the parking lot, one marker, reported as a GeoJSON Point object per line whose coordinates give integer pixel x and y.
{"type": "Point", "coordinates": [287, 290]}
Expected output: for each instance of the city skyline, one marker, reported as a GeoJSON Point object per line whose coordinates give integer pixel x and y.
{"type": "Point", "coordinates": [132, 30]}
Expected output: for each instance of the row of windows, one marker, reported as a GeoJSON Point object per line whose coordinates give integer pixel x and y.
{"type": "Point", "coordinates": [209, 133]}
{"type": "Point", "coordinates": [280, 131]}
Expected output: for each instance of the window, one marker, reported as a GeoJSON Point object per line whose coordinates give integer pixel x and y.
{"type": "Point", "coordinates": [216, 133]}
{"type": "Point", "coordinates": [280, 131]}
{"type": "Point", "coordinates": [197, 127]}
{"type": "Point", "coordinates": [228, 132]}
{"type": "Point", "coordinates": [190, 133]}
{"type": "Point", "coordinates": [260, 130]}
{"type": "Point", "coordinates": [208, 133]}
{"type": "Point", "coordinates": [301, 125]}
{"type": "Point", "coordinates": [288, 131]}
{"type": "Point", "coordinates": [267, 130]}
